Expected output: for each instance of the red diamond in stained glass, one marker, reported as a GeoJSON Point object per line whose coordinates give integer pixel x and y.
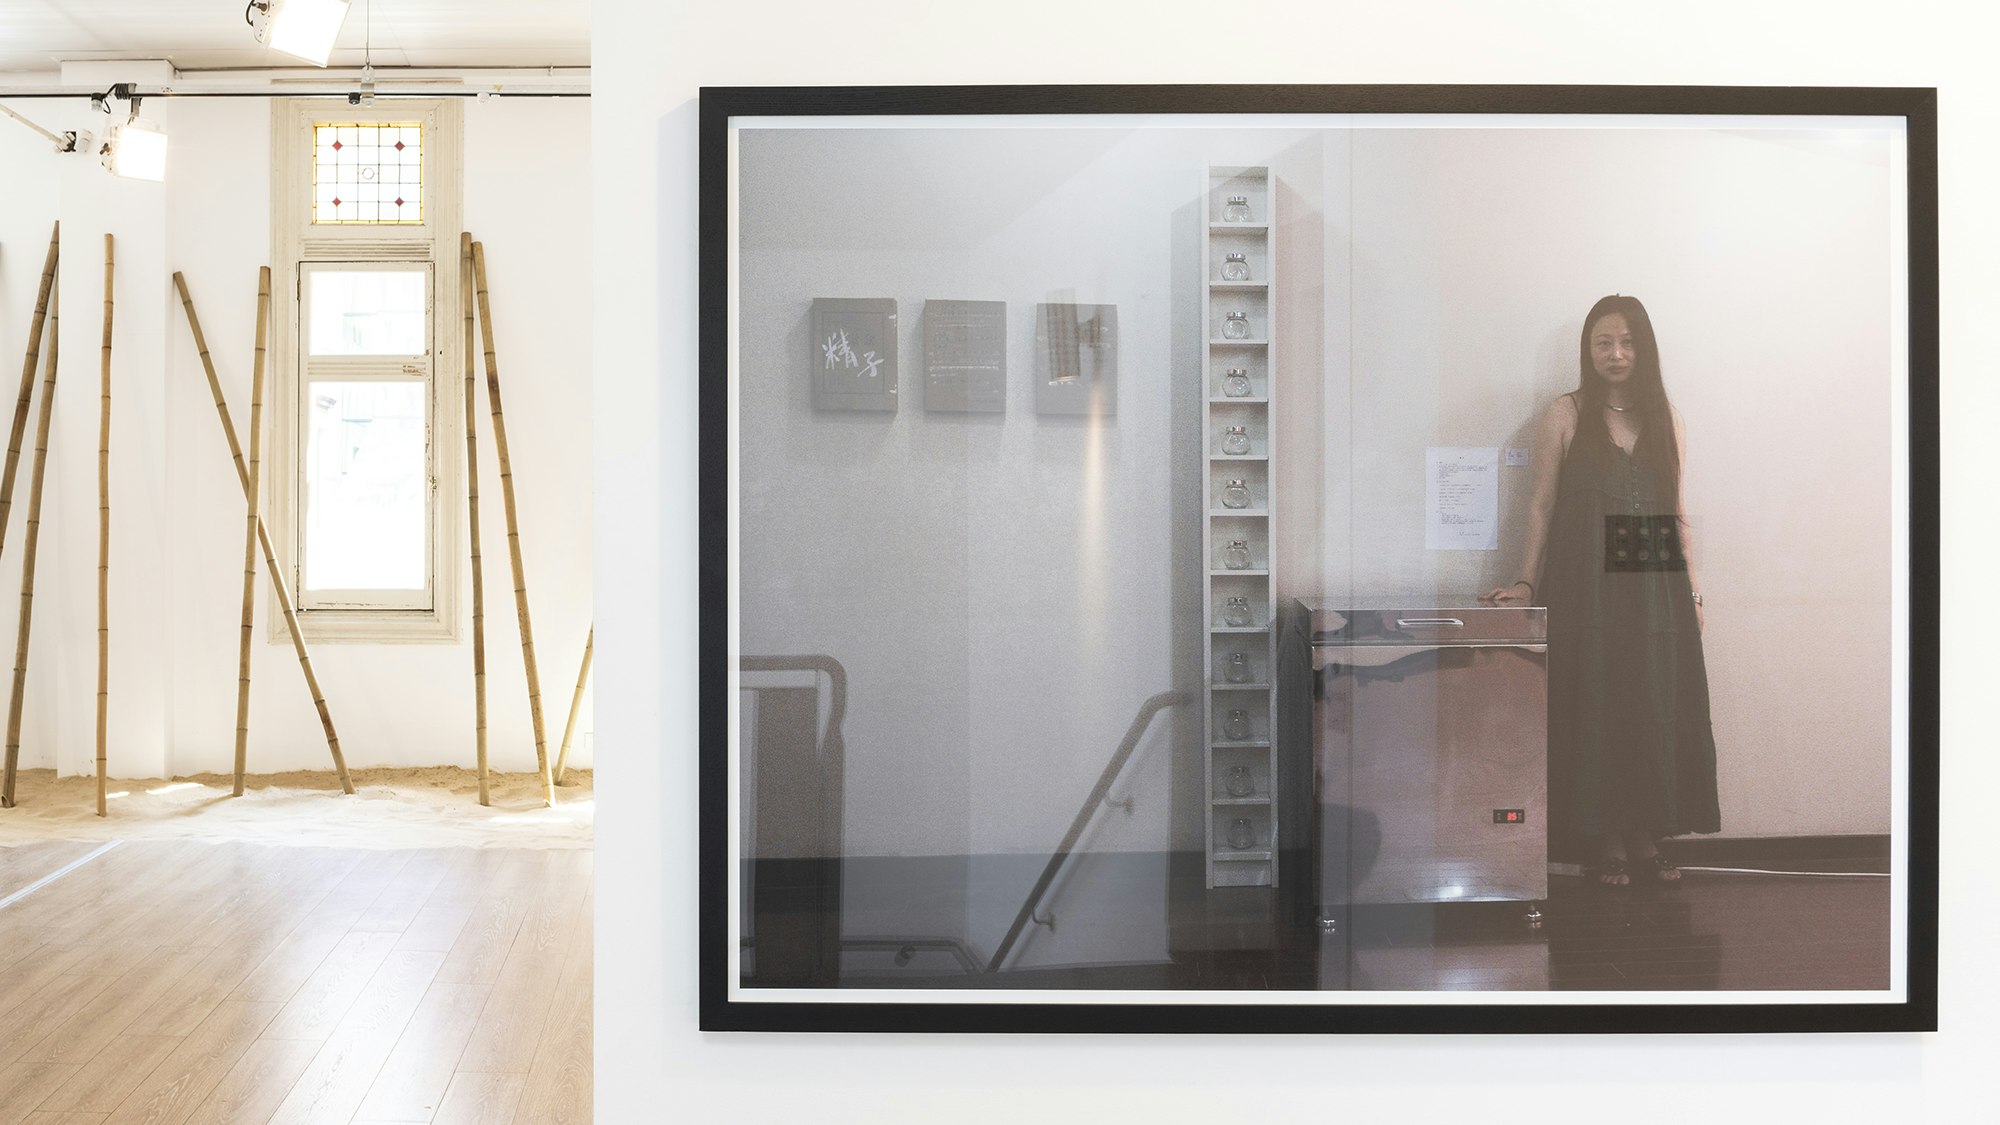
{"type": "Point", "coordinates": [336, 202]}
{"type": "Point", "coordinates": [399, 202]}
{"type": "Point", "coordinates": [336, 145]}
{"type": "Point", "coordinates": [399, 146]}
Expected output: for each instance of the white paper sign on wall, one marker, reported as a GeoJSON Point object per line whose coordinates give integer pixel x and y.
{"type": "Point", "coordinates": [1461, 498]}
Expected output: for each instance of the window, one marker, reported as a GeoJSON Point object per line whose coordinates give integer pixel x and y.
{"type": "Point", "coordinates": [367, 387]}
{"type": "Point", "coordinates": [368, 173]}
{"type": "Point", "coordinates": [365, 422]}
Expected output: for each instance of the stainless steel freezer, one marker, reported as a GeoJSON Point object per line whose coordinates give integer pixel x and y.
{"type": "Point", "coordinates": [1429, 753]}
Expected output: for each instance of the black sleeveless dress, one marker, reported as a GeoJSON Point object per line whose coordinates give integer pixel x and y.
{"type": "Point", "coordinates": [1630, 747]}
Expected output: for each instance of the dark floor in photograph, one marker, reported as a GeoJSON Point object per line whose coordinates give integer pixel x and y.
{"type": "Point", "coordinates": [1712, 931]}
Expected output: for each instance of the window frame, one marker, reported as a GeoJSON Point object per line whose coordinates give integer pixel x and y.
{"type": "Point", "coordinates": [389, 616]}
{"type": "Point", "coordinates": [386, 368]}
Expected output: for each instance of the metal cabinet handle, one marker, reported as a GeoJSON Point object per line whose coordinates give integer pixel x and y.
{"type": "Point", "coordinates": [1428, 622]}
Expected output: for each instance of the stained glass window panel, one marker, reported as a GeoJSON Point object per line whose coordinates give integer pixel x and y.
{"type": "Point", "coordinates": [368, 173]}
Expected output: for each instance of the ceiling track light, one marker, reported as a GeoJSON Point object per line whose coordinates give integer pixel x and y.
{"type": "Point", "coordinates": [66, 141]}
{"type": "Point", "coordinates": [303, 29]}
{"type": "Point", "coordinates": [135, 149]}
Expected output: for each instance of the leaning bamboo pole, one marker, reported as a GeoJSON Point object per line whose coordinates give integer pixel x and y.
{"type": "Point", "coordinates": [513, 525]}
{"type": "Point", "coordinates": [28, 563]}
{"type": "Point", "coordinates": [472, 507]}
{"type": "Point", "coordinates": [279, 589]}
{"type": "Point", "coordinates": [250, 525]}
{"type": "Point", "coordinates": [575, 705]}
{"type": "Point", "coordinates": [21, 404]}
{"type": "Point", "coordinates": [104, 533]}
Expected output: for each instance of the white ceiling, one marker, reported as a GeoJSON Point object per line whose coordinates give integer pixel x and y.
{"type": "Point", "coordinates": [35, 35]}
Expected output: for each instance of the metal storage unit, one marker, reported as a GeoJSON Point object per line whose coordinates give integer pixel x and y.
{"type": "Point", "coordinates": [1429, 756]}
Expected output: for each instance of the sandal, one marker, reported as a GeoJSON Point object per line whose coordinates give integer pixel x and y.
{"type": "Point", "coordinates": [1662, 870]}
{"type": "Point", "coordinates": [1609, 872]}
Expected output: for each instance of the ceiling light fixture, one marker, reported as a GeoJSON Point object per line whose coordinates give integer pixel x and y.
{"type": "Point", "coordinates": [303, 29]}
{"type": "Point", "coordinates": [66, 141]}
{"type": "Point", "coordinates": [136, 149]}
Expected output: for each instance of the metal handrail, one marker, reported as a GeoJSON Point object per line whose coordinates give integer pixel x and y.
{"type": "Point", "coordinates": [833, 743]}
{"type": "Point", "coordinates": [836, 695]}
{"type": "Point", "coordinates": [1133, 733]}
{"type": "Point", "coordinates": [829, 751]}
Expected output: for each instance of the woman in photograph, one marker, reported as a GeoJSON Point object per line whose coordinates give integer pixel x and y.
{"type": "Point", "coordinates": [1631, 755]}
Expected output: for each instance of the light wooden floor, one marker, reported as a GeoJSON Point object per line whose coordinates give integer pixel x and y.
{"type": "Point", "coordinates": [170, 982]}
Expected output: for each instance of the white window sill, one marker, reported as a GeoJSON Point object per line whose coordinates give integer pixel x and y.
{"type": "Point", "coordinates": [367, 627]}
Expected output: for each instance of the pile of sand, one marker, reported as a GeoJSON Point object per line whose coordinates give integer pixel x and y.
{"type": "Point", "coordinates": [431, 807]}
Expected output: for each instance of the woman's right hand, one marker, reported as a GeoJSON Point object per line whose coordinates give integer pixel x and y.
{"type": "Point", "coordinates": [1517, 594]}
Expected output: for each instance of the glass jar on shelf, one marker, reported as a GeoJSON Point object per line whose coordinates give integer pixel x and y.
{"type": "Point", "coordinates": [1236, 383]}
{"type": "Point", "coordinates": [1235, 440]}
{"type": "Point", "coordinates": [1237, 210]}
{"type": "Point", "coordinates": [1236, 326]}
{"type": "Point", "coordinates": [1236, 727]}
{"type": "Point", "coordinates": [1235, 267]}
{"type": "Point", "coordinates": [1240, 835]}
{"type": "Point", "coordinates": [1236, 612]}
{"type": "Point", "coordinates": [1237, 669]}
{"type": "Point", "coordinates": [1237, 782]}
{"type": "Point", "coordinates": [1235, 494]}
{"type": "Point", "coordinates": [1236, 556]}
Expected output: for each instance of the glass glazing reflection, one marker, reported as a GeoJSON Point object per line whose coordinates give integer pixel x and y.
{"type": "Point", "coordinates": [1229, 636]}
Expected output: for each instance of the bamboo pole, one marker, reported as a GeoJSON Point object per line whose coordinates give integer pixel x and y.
{"type": "Point", "coordinates": [513, 526]}
{"type": "Point", "coordinates": [104, 533]}
{"type": "Point", "coordinates": [21, 404]}
{"type": "Point", "coordinates": [250, 525]}
{"type": "Point", "coordinates": [472, 506]}
{"type": "Point", "coordinates": [575, 705]}
{"type": "Point", "coordinates": [279, 589]}
{"type": "Point", "coordinates": [28, 561]}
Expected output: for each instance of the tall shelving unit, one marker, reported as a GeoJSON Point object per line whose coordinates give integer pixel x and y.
{"type": "Point", "coordinates": [1239, 767]}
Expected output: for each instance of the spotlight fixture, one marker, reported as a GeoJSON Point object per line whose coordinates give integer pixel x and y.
{"type": "Point", "coordinates": [67, 141]}
{"type": "Point", "coordinates": [136, 149]}
{"type": "Point", "coordinates": [303, 29]}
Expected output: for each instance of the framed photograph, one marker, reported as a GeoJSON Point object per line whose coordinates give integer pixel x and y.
{"type": "Point", "coordinates": [1502, 595]}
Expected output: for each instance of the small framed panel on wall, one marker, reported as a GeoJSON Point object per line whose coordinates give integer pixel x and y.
{"type": "Point", "coordinates": [853, 362]}
{"type": "Point", "coordinates": [1392, 651]}
{"type": "Point", "coordinates": [1076, 358]}
{"type": "Point", "coordinates": [965, 356]}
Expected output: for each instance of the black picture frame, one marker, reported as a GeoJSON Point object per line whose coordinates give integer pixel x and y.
{"type": "Point", "coordinates": [1917, 107]}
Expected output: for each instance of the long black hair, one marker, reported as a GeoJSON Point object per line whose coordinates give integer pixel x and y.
{"type": "Point", "coordinates": [1647, 396]}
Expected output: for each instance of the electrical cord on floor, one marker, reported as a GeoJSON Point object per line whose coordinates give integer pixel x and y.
{"type": "Point", "coordinates": [1573, 870]}
{"type": "Point", "coordinates": [1763, 871]}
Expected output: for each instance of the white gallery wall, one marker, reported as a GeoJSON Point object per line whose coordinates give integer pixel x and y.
{"type": "Point", "coordinates": [1004, 590]}
{"type": "Point", "coordinates": [31, 190]}
{"type": "Point", "coordinates": [177, 530]}
{"type": "Point", "coordinates": [650, 61]}
{"type": "Point", "coordinates": [1763, 257]}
